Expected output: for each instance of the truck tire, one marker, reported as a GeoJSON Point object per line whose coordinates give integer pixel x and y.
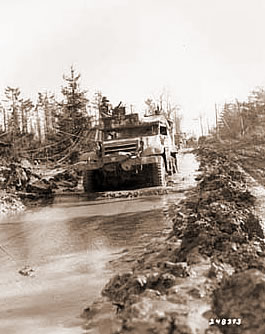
{"type": "Point", "coordinates": [159, 173]}
{"type": "Point", "coordinates": [88, 181]}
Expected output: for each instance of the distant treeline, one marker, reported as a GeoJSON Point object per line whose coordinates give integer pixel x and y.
{"type": "Point", "coordinates": [243, 120]}
{"type": "Point", "coordinates": [240, 133]}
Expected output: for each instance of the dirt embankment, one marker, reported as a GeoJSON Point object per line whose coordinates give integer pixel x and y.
{"type": "Point", "coordinates": [10, 203]}
{"type": "Point", "coordinates": [249, 153]}
{"type": "Point", "coordinates": [208, 276]}
{"type": "Point", "coordinates": [23, 182]}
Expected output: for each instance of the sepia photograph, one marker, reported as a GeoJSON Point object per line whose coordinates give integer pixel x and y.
{"type": "Point", "coordinates": [132, 167]}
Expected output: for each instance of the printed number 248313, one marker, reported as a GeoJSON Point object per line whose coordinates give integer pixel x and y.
{"type": "Point", "coordinates": [234, 321]}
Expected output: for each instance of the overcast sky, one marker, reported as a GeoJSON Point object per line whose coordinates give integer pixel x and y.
{"type": "Point", "coordinates": [201, 51]}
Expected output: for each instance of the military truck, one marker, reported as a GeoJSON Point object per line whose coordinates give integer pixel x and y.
{"type": "Point", "coordinates": [131, 153]}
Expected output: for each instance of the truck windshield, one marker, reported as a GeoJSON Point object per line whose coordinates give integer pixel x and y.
{"type": "Point", "coordinates": [138, 131]}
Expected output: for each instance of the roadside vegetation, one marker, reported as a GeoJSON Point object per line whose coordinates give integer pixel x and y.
{"type": "Point", "coordinates": [240, 133]}
{"type": "Point", "coordinates": [48, 129]}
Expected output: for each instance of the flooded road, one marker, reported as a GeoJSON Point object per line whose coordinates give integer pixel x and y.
{"type": "Point", "coordinates": [69, 244]}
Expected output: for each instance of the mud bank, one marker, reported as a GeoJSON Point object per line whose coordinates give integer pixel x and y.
{"type": "Point", "coordinates": [10, 203]}
{"type": "Point", "coordinates": [206, 276]}
{"type": "Point", "coordinates": [33, 182]}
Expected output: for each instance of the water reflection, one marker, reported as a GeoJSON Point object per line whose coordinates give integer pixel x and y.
{"type": "Point", "coordinates": [69, 244]}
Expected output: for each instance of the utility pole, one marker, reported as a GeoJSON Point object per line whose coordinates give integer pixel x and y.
{"type": "Point", "coordinates": [201, 125]}
{"type": "Point", "coordinates": [208, 126]}
{"type": "Point", "coordinates": [216, 121]}
{"type": "Point", "coordinates": [241, 118]}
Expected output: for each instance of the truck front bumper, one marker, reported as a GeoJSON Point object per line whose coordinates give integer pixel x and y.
{"type": "Point", "coordinates": [126, 163]}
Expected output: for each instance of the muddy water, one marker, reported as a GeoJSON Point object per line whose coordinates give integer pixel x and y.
{"type": "Point", "coordinates": [70, 244]}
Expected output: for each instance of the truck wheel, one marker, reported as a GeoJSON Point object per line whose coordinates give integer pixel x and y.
{"type": "Point", "coordinates": [159, 173]}
{"type": "Point", "coordinates": [88, 181]}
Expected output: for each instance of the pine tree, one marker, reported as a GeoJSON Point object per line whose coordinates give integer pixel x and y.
{"type": "Point", "coordinates": [26, 107]}
{"type": "Point", "coordinates": [14, 119]}
{"type": "Point", "coordinates": [73, 117]}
